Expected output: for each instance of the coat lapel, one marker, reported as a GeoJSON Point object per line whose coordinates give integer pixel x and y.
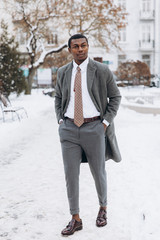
{"type": "Point", "coordinates": [68, 76]}
{"type": "Point", "coordinates": [90, 75]}
{"type": "Point", "coordinates": [91, 68]}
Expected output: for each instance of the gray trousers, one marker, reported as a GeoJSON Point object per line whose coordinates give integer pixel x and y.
{"type": "Point", "coordinates": [90, 137]}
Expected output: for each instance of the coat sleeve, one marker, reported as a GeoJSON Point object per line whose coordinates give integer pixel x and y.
{"type": "Point", "coordinates": [58, 97]}
{"type": "Point", "coordinates": [114, 98]}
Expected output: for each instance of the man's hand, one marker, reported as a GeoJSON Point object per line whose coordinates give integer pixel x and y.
{"type": "Point", "coordinates": [105, 126]}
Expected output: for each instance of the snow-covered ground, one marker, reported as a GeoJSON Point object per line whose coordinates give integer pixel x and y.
{"type": "Point", "coordinates": [33, 202]}
{"type": "Point", "coordinates": [142, 99]}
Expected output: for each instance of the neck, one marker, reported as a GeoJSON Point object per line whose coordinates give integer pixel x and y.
{"type": "Point", "coordinates": [79, 61]}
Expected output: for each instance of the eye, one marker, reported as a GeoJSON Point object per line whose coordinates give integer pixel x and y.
{"type": "Point", "coordinates": [83, 46]}
{"type": "Point", "coordinates": [75, 47]}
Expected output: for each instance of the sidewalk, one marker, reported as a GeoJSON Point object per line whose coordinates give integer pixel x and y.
{"type": "Point", "coordinates": [32, 187]}
{"type": "Point", "coordinates": [142, 109]}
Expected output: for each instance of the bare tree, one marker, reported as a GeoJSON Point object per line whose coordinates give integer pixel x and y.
{"type": "Point", "coordinates": [57, 60]}
{"type": "Point", "coordinates": [143, 73]}
{"type": "Point", "coordinates": [135, 72]}
{"type": "Point", "coordinates": [36, 19]}
{"type": "Point", "coordinates": [101, 20]}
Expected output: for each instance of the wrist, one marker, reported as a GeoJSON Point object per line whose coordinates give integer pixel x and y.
{"type": "Point", "coordinates": [105, 122]}
{"type": "Point", "coordinates": [60, 121]}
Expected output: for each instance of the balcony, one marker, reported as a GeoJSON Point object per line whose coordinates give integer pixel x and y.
{"type": "Point", "coordinates": [147, 15]}
{"type": "Point", "coordinates": [146, 46]}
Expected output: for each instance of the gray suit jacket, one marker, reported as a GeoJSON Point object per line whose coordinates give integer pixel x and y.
{"type": "Point", "coordinates": [104, 94]}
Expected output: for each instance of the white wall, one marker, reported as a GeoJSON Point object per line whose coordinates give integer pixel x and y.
{"type": "Point", "coordinates": [157, 37]}
{"type": "Point", "coordinates": [130, 48]}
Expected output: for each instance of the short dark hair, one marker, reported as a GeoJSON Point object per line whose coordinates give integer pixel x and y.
{"type": "Point", "coordinates": [76, 36]}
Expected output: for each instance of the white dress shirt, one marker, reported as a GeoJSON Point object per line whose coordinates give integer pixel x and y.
{"type": "Point", "coordinates": [89, 109]}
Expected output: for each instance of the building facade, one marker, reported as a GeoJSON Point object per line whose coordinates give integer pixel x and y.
{"type": "Point", "coordinates": [140, 39]}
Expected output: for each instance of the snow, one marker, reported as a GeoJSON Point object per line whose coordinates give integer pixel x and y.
{"type": "Point", "coordinates": [47, 52]}
{"type": "Point", "coordinates": [32, 187]}
{"type": "Point", "coordinates": [29, 43]}
{"type": "Point", "coordinates": [142, 99]}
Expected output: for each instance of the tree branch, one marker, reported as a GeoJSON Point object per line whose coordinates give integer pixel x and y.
{"type": "Point", "coordinates": [45, 53]}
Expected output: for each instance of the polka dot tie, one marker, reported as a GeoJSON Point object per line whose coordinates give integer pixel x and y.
{"type": "Point", "coordinates": [78, 107]}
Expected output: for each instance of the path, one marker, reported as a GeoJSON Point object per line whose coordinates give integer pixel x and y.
{"type": "Point", "coordinates": [32, 188]}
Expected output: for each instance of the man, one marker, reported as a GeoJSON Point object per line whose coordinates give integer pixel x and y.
{"type": "Point", "coordinates": [86, 129]}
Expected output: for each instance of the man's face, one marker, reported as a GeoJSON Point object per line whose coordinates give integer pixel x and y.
{"type": "Point", "coordinates": [79, 49]}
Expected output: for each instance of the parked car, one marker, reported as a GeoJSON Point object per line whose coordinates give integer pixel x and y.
{"type": "Point", "coordinates": [155, 82]}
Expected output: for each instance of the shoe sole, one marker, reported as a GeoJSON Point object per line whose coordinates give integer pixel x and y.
{"type": "Point", "coordinates": [77, 229]}
{"type": "Point", "coordinates": [101, 225]}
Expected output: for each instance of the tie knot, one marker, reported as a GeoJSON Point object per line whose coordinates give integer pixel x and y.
{"type": "Point", "coordinates": [78, 69]}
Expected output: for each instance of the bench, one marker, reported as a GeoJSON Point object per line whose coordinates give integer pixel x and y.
{"type": "Point", "coordinates": [7, 107]}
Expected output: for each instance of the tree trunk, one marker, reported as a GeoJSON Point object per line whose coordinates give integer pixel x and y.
{"type": "Point", "coordinates": [32, 72]}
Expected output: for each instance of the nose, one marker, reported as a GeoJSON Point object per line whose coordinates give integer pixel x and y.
{"type": "Point", "coordinates": [80, 48]}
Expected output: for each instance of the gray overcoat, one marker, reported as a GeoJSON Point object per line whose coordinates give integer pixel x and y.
{"type": "Point", "coordinates": [104, 93]}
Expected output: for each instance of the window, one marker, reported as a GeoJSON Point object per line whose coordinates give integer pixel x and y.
{"type": "Point", "coordinates": [146, 33]}
{"type": "Point", "coordinates": [52, 38]}
{"type": "Point", "coordinates": [147, 59]}
{"type": "Point", "coordinates": [123, 35]}
{"type": "Point", "coordinates": [147, 9]}
{"type": "Point", "coordinates": [121, 59]}
{"type": "Point", "coordinates": [21, 37]}
{"type": "Point", "coordinates": [146, 6]}
{"type": "Point", "coordinates": [147, 36]}
{"type": "Point", "coordinates": [122, 3]}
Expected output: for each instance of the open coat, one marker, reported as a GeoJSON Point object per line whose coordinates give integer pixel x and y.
{"type": "Point", "coordinates": [104, 93]}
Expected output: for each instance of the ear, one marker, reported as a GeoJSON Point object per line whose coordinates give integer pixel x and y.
{"type": "Point", "coordinates": [69, 50]}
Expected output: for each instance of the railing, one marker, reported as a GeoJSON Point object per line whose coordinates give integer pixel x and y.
{"type": "Point", "coordinates": [146, 45]}
{"type": "Point", "coordinates": [147, 15]}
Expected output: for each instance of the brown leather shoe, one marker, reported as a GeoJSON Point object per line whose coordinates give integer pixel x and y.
{"type": "Point", "coordinates": [101, 218]}
{"type": "Point", "coordinates": [73, 226]}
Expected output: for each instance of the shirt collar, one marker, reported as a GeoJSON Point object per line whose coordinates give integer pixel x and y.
{"type": "Point", "coordinates": [82, 66]}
